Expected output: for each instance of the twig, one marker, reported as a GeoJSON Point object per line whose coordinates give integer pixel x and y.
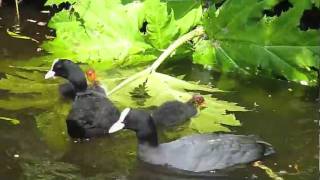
{"type": "Point", "coordinates": [17, 9]}
{"type": "Point", "coordinates": [194, 33]}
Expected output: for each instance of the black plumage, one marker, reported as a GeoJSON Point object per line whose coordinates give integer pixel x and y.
{"type": "Point", "coordinates": [172, 113]}
{"type": "Point", "coordinates": [195, 153]}
{"type": "Point", "coordinates": [92, 113]}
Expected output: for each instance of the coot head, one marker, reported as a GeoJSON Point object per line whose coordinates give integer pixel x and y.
{"type": "Point", "coordinates": [69, 70]}
{"type": "Point", "coordinates": [91, 75]}
{"type": "Point", "coordinates": [197, 100]}
{"type": "Point", "coordinates": [139, 121]}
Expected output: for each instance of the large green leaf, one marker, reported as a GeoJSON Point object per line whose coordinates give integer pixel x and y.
{"type": "Point", "coordinates": [99, 31]}
{"type": "Point", "coordinates": [204, 54]}
{"type": "Point", "coordinates": [188, 13]}
{"type": "Point", "coordinates": [161, 28]}
{"type": "Point", "coordinates": [162, 88]}
{"type": "Point", "coordinates": [107, 33]}
{"type": "Point", "coordinates": [249, 42]}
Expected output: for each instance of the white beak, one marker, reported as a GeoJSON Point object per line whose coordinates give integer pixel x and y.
{"type": "Point", "coordinates": [50, 74]}
{"type": "Point", "coordinates": [119, 124]}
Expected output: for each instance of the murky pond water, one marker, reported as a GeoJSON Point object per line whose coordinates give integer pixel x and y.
{"type": "Point", "coordinates": [284, 114]}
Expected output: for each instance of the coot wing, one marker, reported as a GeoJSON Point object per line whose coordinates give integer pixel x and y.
{"type": "Point", "coordinates": [92, 114]}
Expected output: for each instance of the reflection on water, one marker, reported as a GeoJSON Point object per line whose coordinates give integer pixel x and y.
{"type": "Point", "coordinates": [282, 113]}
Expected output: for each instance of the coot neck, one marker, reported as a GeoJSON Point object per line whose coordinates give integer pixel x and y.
{"type": "Point", "coordinates": [78, 80]}
{"type": "Point", "coordinates": [148, 136]}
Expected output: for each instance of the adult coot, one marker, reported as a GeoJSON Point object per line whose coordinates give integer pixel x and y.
{"type": "Point", "coordinates": [92, 113]}
{"type": "Point", "coordinates": [175, 112]}
{"type": "Point", "coordinates": [195, 153]}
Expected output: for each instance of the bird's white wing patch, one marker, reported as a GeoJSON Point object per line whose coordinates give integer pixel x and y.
{"type": "Point", "coordinates": [119, 124]}
{"type": "Point", "coordinates": [51, 73]}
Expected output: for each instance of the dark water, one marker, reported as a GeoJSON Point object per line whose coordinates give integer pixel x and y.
{"type": "Point", "coordinates": [283, 114]}
{"type": "Point", "coordinates": [285, 118]}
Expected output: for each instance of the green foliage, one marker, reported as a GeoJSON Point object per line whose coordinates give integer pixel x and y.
{"type": "Point", "coordinates": [107, 33]}
{"type": "Point", "coordinates": [161, 28]}
{"type": "Point", "coordinates": [164, 88]}
{"type": "Point", "coordinates": [57, 2]}
{"type": "Point", "coordinates": [204, 53]}
{"type": "Point", "coordinates": [249, 42]}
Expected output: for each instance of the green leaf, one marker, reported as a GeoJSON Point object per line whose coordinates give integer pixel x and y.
{"type": "Point", "coordinates": [106, 34]}
{"type": "Point", "coordinates": [57, 2]}
{"type": "Point", "coordinates": [316, 3]}
{"type": "Point", "coordinates": [162, 88]}
{"type": "Point", "coordinates": [251, 43]}
{"type": "Point", "coordinates": [215, 116]}
{"type": "Point", "coordinates": [188, 14]}
{"type": "Point", "coordinates": [100, 31]}
{"type": "Point", "coordinates": [161, 28]}
{"type": "Point", "coordinates": [204, 54]}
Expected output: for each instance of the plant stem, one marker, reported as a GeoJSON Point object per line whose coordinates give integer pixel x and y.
{"type": "Point", "coordinates": [128, 80]}
{"type": "Point", "coordinates": [187, 37]}
{"type": "Point", "coordinates": [17, 10]}
{"type": "Point", "coordinates": [194, 33]}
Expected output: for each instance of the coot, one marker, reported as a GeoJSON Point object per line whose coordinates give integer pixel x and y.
{"type": "Point", "coordinates": [195, 153]}
{"type": "Point", "coordinates": [94, 83]}
{"type": "Point", "coordinates": [175, 112]}
{"type": "Point", "coordinates": [92, 113]}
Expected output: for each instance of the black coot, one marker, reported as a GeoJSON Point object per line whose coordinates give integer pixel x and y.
{"type": "Point", "coordinates": [172, 113]}
{"type": "Point", "coordinates": [92, 113]}
{"type": "Point", "coordinates": [196, 153]}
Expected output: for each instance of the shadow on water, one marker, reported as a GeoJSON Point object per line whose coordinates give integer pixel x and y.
{"type": "Point", "coordinates": [282, 113]}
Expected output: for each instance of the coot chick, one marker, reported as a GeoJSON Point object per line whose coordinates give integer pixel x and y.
{"type": "Point", "coordinates": [195, 153]}
{"type": "Point", "coordinates": [91, 114]}
{"type": "Point", "coordinates": [175, 112]}
{"type": "Point", "coordinates": [94, 83]}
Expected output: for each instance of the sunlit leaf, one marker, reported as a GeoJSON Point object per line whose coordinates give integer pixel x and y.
{"type": "Point", "coordinates": [57, 2]}
{"type": "Point", "coordinates": [204, 54]}
{"type": "Point", "coordinates": [107, 33]}
{"type": "Point", "coordinates": [164, 88]}
{"type": "Point", "coordinates": [161, 28]}
{"type": "Point", "coordinates": [245, 40]}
